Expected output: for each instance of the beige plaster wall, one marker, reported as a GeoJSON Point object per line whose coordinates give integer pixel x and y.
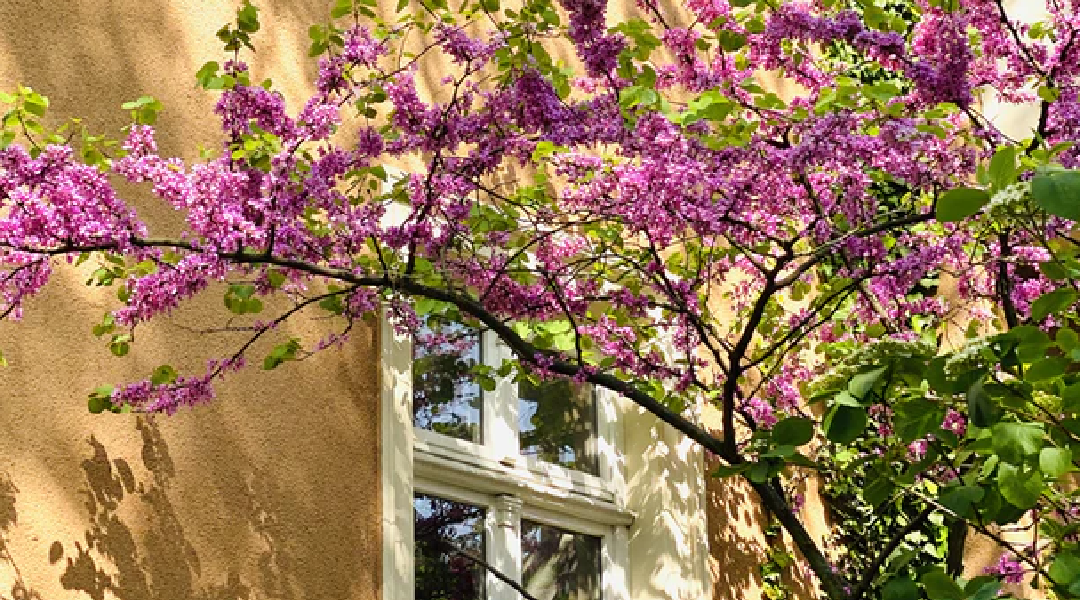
{"type": "Point", "coordinates": [270, 492]}
{"type": "Point", "coordinates": [739, 537]}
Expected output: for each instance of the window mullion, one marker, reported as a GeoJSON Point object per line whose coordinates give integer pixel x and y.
{"type": "Point", "coordinates": [614, 559]}
{"type": "Point", "coordinates": [504, 547]}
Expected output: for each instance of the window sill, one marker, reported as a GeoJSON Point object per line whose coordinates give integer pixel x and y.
{"type": "Point", "coordinates": [439, 462]}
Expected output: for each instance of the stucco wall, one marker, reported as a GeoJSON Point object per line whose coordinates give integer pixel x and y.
{"type": "Point", "coordinates": [739, 537]}
{"type": "Point", "coordinates": [272, 491]}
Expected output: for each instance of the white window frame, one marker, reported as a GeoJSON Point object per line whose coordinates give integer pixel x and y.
{"type": "Point", "coordinates": [493, 475]}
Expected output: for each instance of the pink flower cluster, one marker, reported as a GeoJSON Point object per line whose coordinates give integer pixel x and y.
{"type": "Point", "coordinates": [1008, 567]}
{"type": "Point", "coordinates": [644, 222]}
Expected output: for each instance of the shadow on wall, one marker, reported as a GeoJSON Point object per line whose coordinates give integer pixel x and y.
{"type": "Point", "coordinates": [8, 518]}
{"type": "Point", "coordinates": [741, 541]}
{"type": "Point", "coordinates": [737, 544]}
{"type": "Point", "coordinates": [157, 562]}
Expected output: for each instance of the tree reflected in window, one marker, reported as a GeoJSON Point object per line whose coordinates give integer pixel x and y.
{"type": "Point", "coordinates": [445, 400]}
{"type": "Point", "coordinates": [559, 565]}
{"type": "Point", "coordinates": [441, 527]}
{"type": "Point", "coordinates": [557, 420]}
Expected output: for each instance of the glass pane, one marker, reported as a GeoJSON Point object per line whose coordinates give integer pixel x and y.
{"type": "Point", "coordinates": [444, 529]}
{"type": "Point", "coordinates": [558, 564]}
{"type": "Point", "coordinates": [557, 420]}
{"type": "Point", "coordinates": [445, 400]}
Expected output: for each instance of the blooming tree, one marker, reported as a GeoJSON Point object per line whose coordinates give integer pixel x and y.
{"type": "Point", "coordinates": [677, 232]}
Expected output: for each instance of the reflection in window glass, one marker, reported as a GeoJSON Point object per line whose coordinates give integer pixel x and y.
{"type": "Point", "coordinates": [558, 564]}
{"type": "Point", "coordinates": [557, 421]}
{"type": "Point", "coordinates": [442, 528]}
{"type": "Point", "coordinates": [445, 400]}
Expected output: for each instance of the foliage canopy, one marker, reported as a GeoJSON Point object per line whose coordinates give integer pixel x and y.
{"type": "Point", "coordinates": [678, 232]}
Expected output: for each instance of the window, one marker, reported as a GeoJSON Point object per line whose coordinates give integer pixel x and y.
{"type": "Point", "coordinates": [559, 564]}
{"type": "Point", "coordinates": [444, 399]}
{"type": "Point", "coordinates": [557, 424]}
{"type": "Point", "coordinates": [446, 534]}
{"type": "Point", "coordinates": [523, 478]}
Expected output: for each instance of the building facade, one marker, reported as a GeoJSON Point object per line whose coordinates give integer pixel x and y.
{"type": "Point", "coordinates": [304, 482]}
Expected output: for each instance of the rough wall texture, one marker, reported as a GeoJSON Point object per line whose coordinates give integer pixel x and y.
{"type": "Point", "coordinates": [272, 492]}
{"type": "Point", "coordinates": [740, 538]}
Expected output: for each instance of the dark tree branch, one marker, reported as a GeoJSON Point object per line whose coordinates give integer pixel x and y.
{"type": "Point", "coordinates": [725, 448]}
{"type": "Point", "coordinates": [872, 571]}
{"type": "Point", "coordinates": [453, 549]}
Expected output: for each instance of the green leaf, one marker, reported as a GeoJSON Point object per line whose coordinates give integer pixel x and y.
{"type": "Point", "coordinates": [163, 375]}
{"type": "Point", "coordinates": [120, 344]}
{"type": "Point", "coordinates": [960, 203]}
{"type": "Point", "coordinates": [793, 431]}
{"type": "Point", "coordinates": [36, 104]}
{"type": "Point", "coordinates": [98, 404]}
{"type": "Point", "coordinates": [1053, 303]}
{"type": "Point", "coordinates": [1021, 488]}
{"type": "Point", "coordinates": [730, 41]}
{"type": "Point", "coordinates": [878, 490]}
{"type": "Point", "coordinates": [247, 18]}
{"type": "Point", "coordinates": [1015, 441]}
{"type": "Point", "coordinates": [282, 353]}
{"type": "Point", "coordinates": [882, 92]}
{"type": "Point", "coordinates": [1070, 398]}
{"type": "Point", "coordinates": [1048, 94]}
{"type": "Point", "coordinates": [984, 587]}
{"type": "Point", "coordinates": [900, 588]}
{"type": "Point", "coordinates": [107, 325]}
{"type": "Point", "coordinates": [845, 398]}
{"type": "Point", "coordinates": [342, 8]}
{"type": "Point", "coordinates": [3, 361]}
{"type": "Point", "coordinates": [862, 383]}
{"type": "Point", "coordinates": [940, 586]}
{"type": "Point", "coordinates": [1047, 368]}
{"type": "Point", "coordinates": [1003, 167]}
{"type": "Point", "coordinates": [1054, 270]}
{"type": "Point", "coordinates": [759, 472]}
{"type": "Point", "coordinates": [242, 291]}
{"type": "Point", "coordinates": [638, 95]}
{"type": "Point", "coordinates": [844, 424]}
{"type": "Point", "coordinates": [1066, 339]}
{"type": "Point", "coordinates": [1058, 193]}
{"type": "Point", "coordinates": [100, 399]}
{"type": "Point", "coordinates": [275, 278]}
{"type": "Point", "coordinates": [205, 73]}
{"type": "Point", "coordinates": [960, 499]}
{"type": "Point", "coordinates": [333, 304]}
{"type": "Point", "coordinates": [981, 407]}
{"type": "Point", "coordinates": [729, 470]}
{"type": "Point", "coordinates": [1055, 462]}
{"type": "Point", "coordinates": [917, 418]}
{"type": "Point", "coordinates": [1032, 342]}
{"type": "Point", "coordinates": [486, 383]}
{"type": "Point", "coordinates": [1065, 568]}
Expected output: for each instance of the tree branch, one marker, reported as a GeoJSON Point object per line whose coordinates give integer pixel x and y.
{"type": "Point", "coordinates": [872, 571]}
{"type": "Point", "coordinates": [525, 351]}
